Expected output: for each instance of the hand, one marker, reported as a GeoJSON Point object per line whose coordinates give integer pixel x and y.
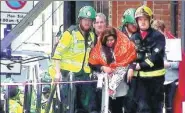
{"type": "Point", "coordinates": [111, 92]}
{"type": "Point", "coordinates": [138, 66]}
{"type": "Point", "coordinates": [58, 77]}
{"type": "Point", "coordinates": [166, 64]}
{"type": "Point", "coordinates": [130, 74]}
{"type": "Point", "coordinates": [114, 64]}
{"type": "Point", "coordinates": [107, 69]}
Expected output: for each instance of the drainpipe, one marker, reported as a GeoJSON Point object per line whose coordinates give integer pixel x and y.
{"type": "Point", "coordinates": [67, 15]}
{"type": "Point", "coordinates": [183, 24]}
{"type": "Point", "coordinates": [173, 17]}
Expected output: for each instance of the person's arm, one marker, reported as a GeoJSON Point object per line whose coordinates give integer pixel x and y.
{"type": "Point", "coordinates": [171, 65]}
{"type": "Point", "coordinates": [57, 68]}
{"type": "Point", "coordinates": [95, 67]}
{"type": "Point", "coordinates": [132, 66]}
{"type": "Point", "coordinates": [174, 65]}
{"type": "Point", "coordinates": [62, 47]}
{"type": "Point", "coordinates": [101, 68]}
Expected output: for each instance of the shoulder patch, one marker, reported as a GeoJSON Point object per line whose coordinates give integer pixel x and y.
{"type": "Point", "coordinates": [156, 50]}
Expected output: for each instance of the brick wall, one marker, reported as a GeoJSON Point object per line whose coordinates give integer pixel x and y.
{"type": "Point", "coordinates": [161, 10]}
{"type": "Point", "coordinates": [179, 19]}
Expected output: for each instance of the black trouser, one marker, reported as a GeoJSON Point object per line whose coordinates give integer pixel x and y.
{"type": "Point", "coordinates": [170, 90]}
{"type": "Point", "coordinates": [116, 105]}
{"type": "Point", "coordinates": [147, 94]}
{"type": "Point", "coordinates": [82, 94]}
{"type": "Point", "coordinates": [98, 99]}
{"type": "Point", "coordinates": [98, 94]}
{"type": "Point", "coordinates": [129, 104]}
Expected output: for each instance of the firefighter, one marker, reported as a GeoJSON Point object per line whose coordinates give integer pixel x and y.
{"type": "Point", "coordinates": [149, 66]}
{"type": "Point", "coordinates": [71, 60]}
{"type": "Point", "coordinates": [129, 24]}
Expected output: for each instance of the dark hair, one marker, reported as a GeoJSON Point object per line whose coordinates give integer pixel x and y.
{"type": "Point", "coordinates": [110, 31]}
{"type": "Point", "coordinates": [158, 25]}
{"type": "Point", "coordinates": [13, 91]}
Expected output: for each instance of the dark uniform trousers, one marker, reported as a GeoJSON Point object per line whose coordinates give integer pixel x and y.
{"type": "Point", "coordinates": [146, 95]}
{"type": "Point", "coordinates": [77, 97]}
{"type": "Point", "coordinates": [170, 90]}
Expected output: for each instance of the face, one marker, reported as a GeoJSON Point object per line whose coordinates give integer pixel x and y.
{"type": "Point", "coordinates": [143, 22]}
{"type": "Point", "coordinates": [132, 28]}
{"type": "Point", "coordinates": [110, 41]}
{"type": "Point", "coordinates": [86, 23]}
{"type": "Point", "coordinates": [100, 24]}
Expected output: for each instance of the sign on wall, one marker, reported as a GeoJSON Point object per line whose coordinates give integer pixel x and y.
{"type": "Point", "coordinates": [8, 66]}
{"type": "Point", "coordinates": [12, 12]}
{"type": "Point", "coordinates": [173, 49]}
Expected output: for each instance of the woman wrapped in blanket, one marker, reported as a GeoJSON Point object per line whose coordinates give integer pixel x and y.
{"type": "Point", "coordinates": [112, 55]}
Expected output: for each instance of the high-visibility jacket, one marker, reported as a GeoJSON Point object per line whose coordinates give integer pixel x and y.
{"type": "Point", "coordinates": [73, 52]}
{"type": "Point", "coordinates": [15, 107]}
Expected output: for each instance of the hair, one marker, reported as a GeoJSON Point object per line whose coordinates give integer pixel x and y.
{"type": "Point", "coordinates": [158, 25]}
{"type": "Point", "coordinates": [101, 15]}
{"type": "Point", "coordinates": [13, 91]}
{"type": "Point", "coordinates": [109, 31]}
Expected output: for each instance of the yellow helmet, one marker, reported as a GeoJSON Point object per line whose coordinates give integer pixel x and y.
{"type": "Point", "coordinates": [143, 11]}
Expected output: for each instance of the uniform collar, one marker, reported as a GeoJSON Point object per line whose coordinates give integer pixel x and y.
{"type": "Point", "coordinates": [144, 34]}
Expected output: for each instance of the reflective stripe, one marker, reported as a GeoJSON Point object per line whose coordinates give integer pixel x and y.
{"type": "Point", "coordinates": [149, 62]}
{"type": "Point", "coordinates": [72, 62]}
{"type": "Point", "coordinates": [57, 55]}
{"type": "Point", "coordinates": [61, 46]}
{"type": "Point", "coordinates": [75, 63]}
{"type": "Point", "coordinates": [74, 66]}
{"type": "Point", "coordinates": [61, 50]}
{"type": "Point", "coordinates": [79, 50]}
{"type": "Point", "coordinates": [156, 73]}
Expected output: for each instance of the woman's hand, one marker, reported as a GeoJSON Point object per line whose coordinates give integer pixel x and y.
{"type": "Point", "coordinates": [130, 74]}
{"type": "Point", "coordinates": [106, 69]}
{"type": "Point", "coordinates": [138, 67]}
{"type": "Point", "coordinates": [166, 64]}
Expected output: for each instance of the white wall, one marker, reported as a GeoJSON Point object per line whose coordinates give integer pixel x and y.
{"type": "Point", "coordinates": [38, 33]}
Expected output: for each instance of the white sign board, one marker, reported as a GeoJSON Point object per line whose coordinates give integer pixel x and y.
{"type": "Point", "coordinates": [173, 49]}
{"type": "Point", "coordinates": [13, 11]}
{"type": "Point", "coordinates": [11, 18]}
{"type": "Point", "coordinates": [8, 66]}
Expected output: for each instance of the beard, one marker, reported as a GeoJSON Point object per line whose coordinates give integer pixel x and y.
{"type": "Point", "coordinates": [83, 28]}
